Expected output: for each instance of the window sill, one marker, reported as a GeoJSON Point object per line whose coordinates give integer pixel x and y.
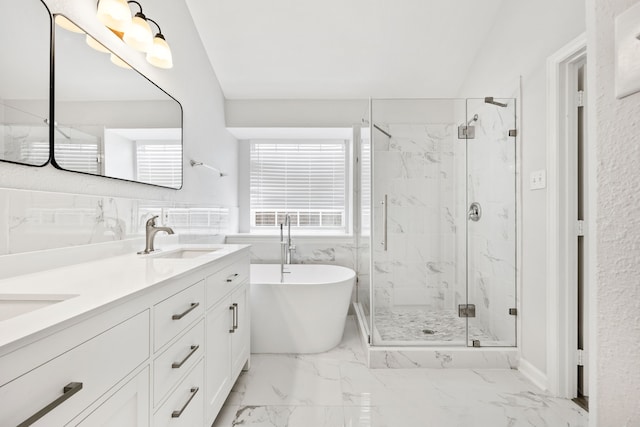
{"type": "Point", "coordinates": [275, 237]}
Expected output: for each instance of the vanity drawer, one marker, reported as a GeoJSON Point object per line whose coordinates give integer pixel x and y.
{"type": "Point", "coordinates": [72, 381]}
{"type": "Point", "coordinates": [176, 313]}
{"type": "Point", "coordinates": [185, 406]}
{"type": "Point", "coordinates": [225, 280]}
{"type": "Point", "coordinates": [177, 360]}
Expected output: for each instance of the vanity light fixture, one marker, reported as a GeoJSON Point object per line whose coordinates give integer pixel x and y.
{"type": "Point", "coordinates": [139, 35]}
{"type": "Point", "coordinates": [160, 54]}
{"type": "Point", "coordinates": [63, 22]}
{"type": "Point", "coordinates": [115, 59]}
{"type": "Point", "coordinates": [114, 14]}
{"type": "Point", "coordinates": [93, 43]}
{"type": "Point", "coordinates": [134, 31]}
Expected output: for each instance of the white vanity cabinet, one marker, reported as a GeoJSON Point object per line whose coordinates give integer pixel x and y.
{"type": "Point", "coordinates": [227, 331]}
{"type": "Point", "coordinates": [166, 357]}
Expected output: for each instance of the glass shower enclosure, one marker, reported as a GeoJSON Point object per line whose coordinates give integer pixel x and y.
{"type": "Point", "coordinates": [438, 197]}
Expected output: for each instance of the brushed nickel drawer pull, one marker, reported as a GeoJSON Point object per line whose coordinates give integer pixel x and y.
{"type": "Point", "coordinates": [233, 318]}
{"type": "Point", "coordinates": [68, 391]}
{"type": "Point", "coordinates": [178, 365]}
{"type": "Point", "coordinates": [232, 277]}
{"type": "Point", "coordinates": [180, 316]}
{"type": "Point", "coordinates": [176, 414]}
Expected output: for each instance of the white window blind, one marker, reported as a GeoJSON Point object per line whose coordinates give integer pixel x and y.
{"type": "Point", "coordinates": [159, 164]}
{"type": "Point", "coordinates": [305, 179]}
{"type": "Point", "coordinates": [79, 156]}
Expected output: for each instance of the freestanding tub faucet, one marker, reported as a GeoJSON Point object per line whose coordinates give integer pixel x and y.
{"type": "Point", "coordinates": [285, 246]}
{"type": "Point", "coordinates": [151, 231]}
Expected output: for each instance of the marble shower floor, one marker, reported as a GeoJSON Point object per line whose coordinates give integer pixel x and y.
{"type": "Point", "coordinates": [336, 389]}
{"type": "Point", "coordinates": [410, 323]}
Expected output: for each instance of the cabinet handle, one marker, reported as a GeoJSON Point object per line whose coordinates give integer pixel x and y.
{"type": "Point", "coordinates": [176, 414]}
{"type": "Point", "coordinates": [232, 277]}
{"type": "Point", "coordinates": [178, 365]}
{"type": "Point", "coordinates": [68, 391]}
{"type": "Point", "coordinates": [233, 318]}
{"type": "Point", "coordinates": [180, 316]}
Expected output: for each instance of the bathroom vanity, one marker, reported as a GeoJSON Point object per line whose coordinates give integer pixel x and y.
{"type": "Point", "coordinates": [126, 341]}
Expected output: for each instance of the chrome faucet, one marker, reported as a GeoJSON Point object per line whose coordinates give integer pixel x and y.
{"type": "Point", "coordinates": [151, 231]}
{"type": "Point", "coordinates": [286, 248]}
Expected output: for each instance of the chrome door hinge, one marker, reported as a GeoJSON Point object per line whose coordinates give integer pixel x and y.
{"type": "Point", "coordinates": [466, 310]}
{"type": "Point", "coordinates": [513, 132]}
{"type": "Point", "coordinates": [580, 98]}
{"type": "Point", "coordinates": [368, 339]}
{"type": "Point", "coordinates": [466, 132]}
{"type": "Point", "coordinates": [580, 227]}
{"type": "Point", "coordinates": [513, 311]}
{"type": "Point", "coordinates": [580, 357]}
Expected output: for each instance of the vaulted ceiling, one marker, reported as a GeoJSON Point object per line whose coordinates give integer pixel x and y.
{"type": "Point", "coordinates": [342, 49]}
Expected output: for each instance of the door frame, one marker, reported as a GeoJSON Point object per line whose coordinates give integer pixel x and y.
{"type": "Point", "coordinates": [561, 221]}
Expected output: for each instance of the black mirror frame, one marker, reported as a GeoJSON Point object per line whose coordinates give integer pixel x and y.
{"type": "Point", "coordinates": [52, 158]}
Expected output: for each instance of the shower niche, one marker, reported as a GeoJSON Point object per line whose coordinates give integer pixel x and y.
{"type": "Point", "coordinates": [438, 192]}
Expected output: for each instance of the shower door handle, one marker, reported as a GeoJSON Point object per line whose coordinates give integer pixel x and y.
{"type": "Point", "coordinates": [384, 223]}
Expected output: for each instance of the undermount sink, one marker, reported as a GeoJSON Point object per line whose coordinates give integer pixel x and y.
{"type": "Point", "coordinates": [12, 305]}
{"type": "Point", "coordinates": [185, 253]}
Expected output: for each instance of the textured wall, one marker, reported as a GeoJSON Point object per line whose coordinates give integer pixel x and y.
{"type": "Point", "coordinates": [618, 229]}
{"type": "Point", "coordinates": [192, 81]}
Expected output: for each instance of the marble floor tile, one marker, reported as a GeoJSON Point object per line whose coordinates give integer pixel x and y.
{"type": "Point", "coordinates": [282, 416]}
{"type": "Point", "coordinates": [336, 389]}
{"type": "Point", "coordinates": [292, 380]}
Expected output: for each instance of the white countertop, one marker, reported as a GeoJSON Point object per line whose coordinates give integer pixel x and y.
{"type": "Point", "coordinates": [92, 286]}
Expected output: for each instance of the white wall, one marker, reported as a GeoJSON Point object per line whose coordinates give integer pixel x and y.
{"type": "Point", "coordinates": [617, 293]}
{"type": "Point", "coordinates": [295, 113]}
{"type": "Point", "coordinates": [119, 156]}
{"type": "Point", "coordinates": [192, 81]}
{"type": "Point", "coordinates": [525, 33]}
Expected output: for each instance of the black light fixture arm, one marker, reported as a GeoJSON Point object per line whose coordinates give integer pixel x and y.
{"type": "Point", "coordinates": [139, 5]}
{"type": "Point", "coordinates": [159, 30]}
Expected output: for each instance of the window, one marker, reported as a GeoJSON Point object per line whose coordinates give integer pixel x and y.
{"type": "Point", "coordinates": [159, 163]}
{"type": "Point", "coordinates": [305, 179]}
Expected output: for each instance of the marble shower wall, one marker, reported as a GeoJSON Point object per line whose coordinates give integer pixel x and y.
{"type": "Point", "coordinates": [492, 240]}
{"type": "Point", "coordinates": [34, 220]}
{"type": "Point", "coordinates": [415, 169]}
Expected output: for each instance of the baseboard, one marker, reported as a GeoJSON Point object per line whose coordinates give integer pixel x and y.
{"type": "Point", "coordinates": [533, 374]}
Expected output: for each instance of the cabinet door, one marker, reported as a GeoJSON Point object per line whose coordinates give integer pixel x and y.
{"type": "Point", "coordinates": [127, 407]}
{"type": "Point", "coordinates": [241, 338]}
{"type": "Point", "coordinates": [219, 324]}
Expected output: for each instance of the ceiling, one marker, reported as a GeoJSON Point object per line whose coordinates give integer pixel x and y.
{"type": "Point", "coordinates": [342, 49]}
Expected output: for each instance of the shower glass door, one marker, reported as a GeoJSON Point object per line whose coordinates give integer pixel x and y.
{"type": "Point", "coordinates": [443, 222]}
{"type": "Point", "coordinates": [418, 246]}
{"type": "Point", "coordinates": [491, 222]}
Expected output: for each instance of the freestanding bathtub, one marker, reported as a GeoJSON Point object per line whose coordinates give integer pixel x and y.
{"type": "Point", "coordinates": [305, 314]}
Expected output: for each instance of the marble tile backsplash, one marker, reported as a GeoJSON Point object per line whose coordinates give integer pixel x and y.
{"type": "Point", "coordinates": [33, 220]}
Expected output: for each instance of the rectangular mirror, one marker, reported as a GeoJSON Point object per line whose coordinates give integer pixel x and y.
{"type": "Point", "coordinates": [25, 50]}
{"type": "Point", "coordinates": [110, 120]}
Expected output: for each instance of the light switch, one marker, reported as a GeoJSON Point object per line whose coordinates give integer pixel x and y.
{"type": "Point", "coordinates": [538, 180]}
{"type": "Point", "coordinates": [627, 52]}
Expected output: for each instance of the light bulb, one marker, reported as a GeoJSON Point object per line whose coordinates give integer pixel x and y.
{"type": "Point", "coordinates": [93, 43]}
{"type": "Point", "coordinates": [119, 62]}
{"type": "Point", "coordinates": [63, 22]}
{"type": "Point", "coordinates": [139, 35]}
{"type": "Point", "coordinates": [115, 14]}
{"type": "Point", "coordinates": [160, 54]}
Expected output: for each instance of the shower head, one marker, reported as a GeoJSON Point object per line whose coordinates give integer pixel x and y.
{"type": "Point", "coordinates": [489, 100]}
